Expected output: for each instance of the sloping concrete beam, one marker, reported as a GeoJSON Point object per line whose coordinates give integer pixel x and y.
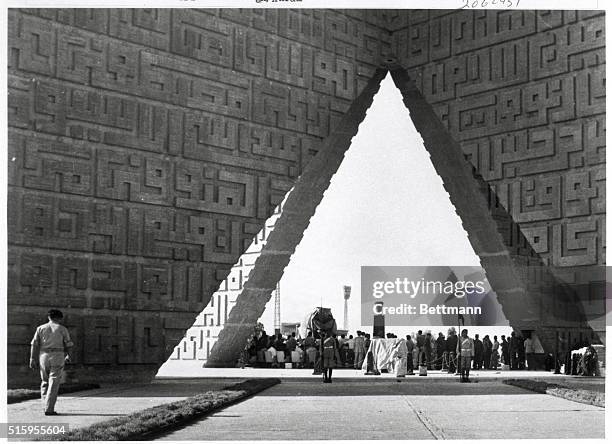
{"type": "Point", "coordinates": [289, 230]}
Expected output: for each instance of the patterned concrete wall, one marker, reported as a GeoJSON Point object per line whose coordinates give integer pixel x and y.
{"type": "Point", "coordinates": [147, 147]}
{"type": "Point", "coordinates": [523, 92]}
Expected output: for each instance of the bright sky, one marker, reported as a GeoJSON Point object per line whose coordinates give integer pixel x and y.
{"type": "Point", "coordinates": [385, 206]}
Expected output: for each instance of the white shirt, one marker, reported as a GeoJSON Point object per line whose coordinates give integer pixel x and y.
{"type": "Point", "coordinates": [52, 337]}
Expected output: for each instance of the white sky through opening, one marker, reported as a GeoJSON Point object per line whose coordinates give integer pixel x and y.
{"type": "Point", "coordinates": [386, 205]}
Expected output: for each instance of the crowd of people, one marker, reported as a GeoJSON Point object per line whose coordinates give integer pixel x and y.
{"type": "Point", "coordinates": [440, 353]}
{"type": "Point", "coordinates": [278, 350]}
{"type": "Point", "coordinates": [435, 353]}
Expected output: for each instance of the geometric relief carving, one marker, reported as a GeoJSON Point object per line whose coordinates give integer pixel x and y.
{"type": "Point", "coordinates": [148, 146]}
{"type": "Point", "coordinates": [568, 48]}
{"type": "Point", "coordinates": [146, 26]}
{"type": "Point", "coordinates": [79, 281]}
{"type": "Point", "coordinates": [575, 243]}
{"type": "Point", "coordinates": [33, 44]}
{"type": "Point", "coordinates": [528, 108]}
{"type": "Point", "coordinates": [536, 199]}
{"type": "Point", "coordinates": [82, 225]}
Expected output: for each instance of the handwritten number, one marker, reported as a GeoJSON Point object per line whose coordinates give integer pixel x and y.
{"type": "Point", "coordinates": [470, 4]}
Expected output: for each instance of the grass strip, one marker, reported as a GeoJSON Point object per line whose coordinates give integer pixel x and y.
{"type": "Point", "coordinates": [25, 394]}
{"type": "Point", "coordinates": [577, 395]}
{"type": "Point", "coordinates": [145, 424]}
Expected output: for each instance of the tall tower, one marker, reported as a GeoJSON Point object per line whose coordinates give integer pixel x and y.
{"type": "Point", "coordinates": [277, 317]}
{"type": "Point", "coordinates": [347, 295]}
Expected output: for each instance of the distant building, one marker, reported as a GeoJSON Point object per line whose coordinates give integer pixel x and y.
{"type": "Point", "coordinates": [200, 338]}
{"type": "Point", "coordinates": [290, 327]}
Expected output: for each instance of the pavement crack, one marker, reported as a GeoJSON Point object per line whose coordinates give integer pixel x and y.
{"type": "Point", "coordinates": [435, 431]}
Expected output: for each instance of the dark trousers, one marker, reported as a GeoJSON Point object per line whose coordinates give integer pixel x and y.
{"type": "Point", "coordinates": [514, 361]}
{"type": "Point", "coordinates": [452, 357]}
{"type": "Point", "coordinates": [487, 360]}
{"type": "Point", "coordinates": [327, 374]}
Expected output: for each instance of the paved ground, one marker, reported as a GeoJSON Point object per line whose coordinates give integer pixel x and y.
{"type": "Point", "coordinates": [84, 408]}
{"type": "Point", "coordinates": [416, 408]}
{"type": "Point", "coordinates": [372, 407]}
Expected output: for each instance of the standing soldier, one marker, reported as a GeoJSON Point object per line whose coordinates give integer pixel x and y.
{"type": "Point", "coordinates": [465, 347]}
{"type": "Point", "coordinates": [331, 355]}
{"type": "Point", "coordinates": [50, 350]}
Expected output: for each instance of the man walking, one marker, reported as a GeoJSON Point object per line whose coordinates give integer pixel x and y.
{"type": "Point", "coordinates": [50, 350]}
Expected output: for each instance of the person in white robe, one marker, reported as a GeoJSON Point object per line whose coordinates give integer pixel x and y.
{"type": "Point", "coordinates": [400, 358]}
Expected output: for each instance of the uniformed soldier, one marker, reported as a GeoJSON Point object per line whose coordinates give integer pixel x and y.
{"type": "Point", "coordinates": [465, 348]}
{"type": "Point", "coordinates": [50, 350]}
{"type": "Point", "coordinates": [331, 356]}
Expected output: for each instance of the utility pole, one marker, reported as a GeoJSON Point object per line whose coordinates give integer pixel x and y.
{"type": "Point", "coordinates": [277, 316]}
{"type": "Point", "coordinates": [347, 295]}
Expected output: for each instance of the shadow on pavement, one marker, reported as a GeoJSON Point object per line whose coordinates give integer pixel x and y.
{"type": "Point", "coordinates": [157, 389]}
{"type": "Point", "coordinates": [390, 388]}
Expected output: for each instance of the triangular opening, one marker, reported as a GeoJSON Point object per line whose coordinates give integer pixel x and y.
{"type": "Point", "coordinates": [386, 205]}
